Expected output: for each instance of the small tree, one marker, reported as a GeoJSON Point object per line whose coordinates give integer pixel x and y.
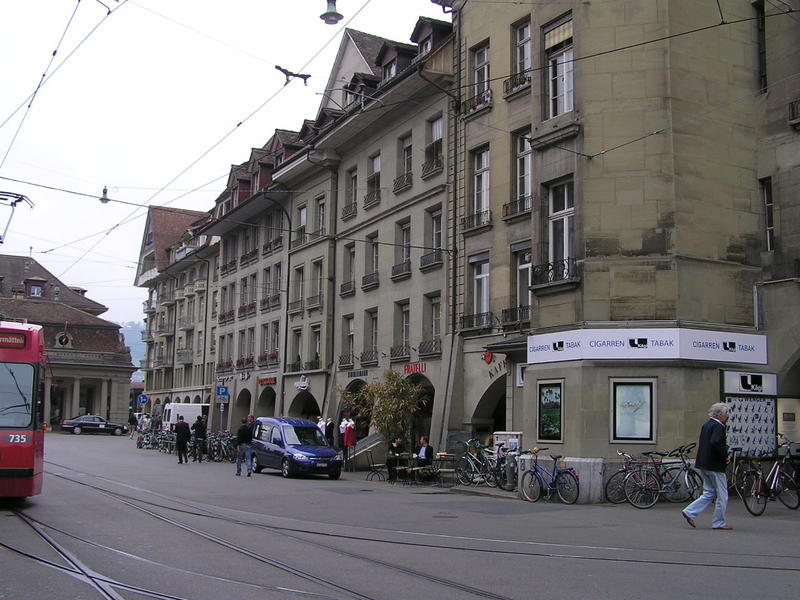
{"type": "Point", "coordinates": [389, 404]}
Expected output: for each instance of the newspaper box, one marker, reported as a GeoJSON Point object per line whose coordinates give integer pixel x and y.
{"type": "Point", "coordinates": [511, 440]}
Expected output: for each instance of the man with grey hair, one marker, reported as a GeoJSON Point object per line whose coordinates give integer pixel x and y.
{"type": "Point", "coordinates": [712, 457]}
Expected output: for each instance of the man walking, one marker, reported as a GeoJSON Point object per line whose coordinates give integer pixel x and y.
{"type": "Point", "coordinates": [712, 457]}
{"type": "Point", "coordinates": [244, 447]}
{"type": "Point", "coordinates": [182, 435]}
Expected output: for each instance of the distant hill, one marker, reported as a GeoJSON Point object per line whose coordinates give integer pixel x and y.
{"type": "Point", "coordinates": [133, 339]}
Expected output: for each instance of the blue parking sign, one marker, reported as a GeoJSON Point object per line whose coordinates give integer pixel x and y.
{"type": "Point", "coordinates": [222, 390]}
{"type": "Point", "coordinates": [143, 399]}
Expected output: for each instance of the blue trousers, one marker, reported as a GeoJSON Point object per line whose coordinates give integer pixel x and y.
{"type": "Point", "coordinates": [715, 490]}
{"type": "Point", "coordinates": [246, 451]}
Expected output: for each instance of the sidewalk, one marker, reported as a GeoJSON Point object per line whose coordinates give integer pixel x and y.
{"type": "Point", "coordinates": [479, 490]}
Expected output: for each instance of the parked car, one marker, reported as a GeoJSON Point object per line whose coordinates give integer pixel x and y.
{"type": "Point", "coordinates": [92, 424]}
{"type": "Point", "coordinates": [294, 446]}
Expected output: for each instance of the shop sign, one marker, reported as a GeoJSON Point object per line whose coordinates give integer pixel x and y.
{"type": "Point", "coordinates": [414, 368]}
{"type": "Point", "coordinates": [758, 384]}
{"type": "Point", "coordinates": [359, 373]}
{"type": "Point", "coordinates": [641, 344]}
{"type": "Point", "coordinates": [267, 380]}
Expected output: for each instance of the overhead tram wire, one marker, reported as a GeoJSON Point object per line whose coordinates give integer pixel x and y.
{"type": "Point", "coordinates": [218, 142]}
{"type": "Point", "coordinates": [61, 64]}
{"type": "Point", "coordinates": [39, 85]}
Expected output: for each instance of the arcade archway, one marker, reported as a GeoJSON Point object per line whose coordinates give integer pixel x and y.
{"type": "Point", "coordinates": [304, 406]}
{"type": "Point", "coordinates": [240, 409]}
{"type": "Point", "coordinates": [490, 413]}
{"type": "Point", "coordinates": [266, 403]}
{"type": "Point", "coordinates": [423, 415]}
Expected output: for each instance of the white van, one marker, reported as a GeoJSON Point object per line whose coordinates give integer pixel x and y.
{"type": "Point", "coordinates": [189, 413]}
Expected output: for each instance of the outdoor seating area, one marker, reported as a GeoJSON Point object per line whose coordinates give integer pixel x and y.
{"type": "Point", "coordinates": [406, 468]}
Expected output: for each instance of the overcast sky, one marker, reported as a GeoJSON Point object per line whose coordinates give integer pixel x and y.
{"type": "Point", "coordinates": [144, 104]}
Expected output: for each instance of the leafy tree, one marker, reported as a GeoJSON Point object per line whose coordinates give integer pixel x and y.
{"type": "Point", "coordinates": [389, 404]}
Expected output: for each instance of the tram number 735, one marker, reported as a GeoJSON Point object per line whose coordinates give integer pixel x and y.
{"type": "Point", "coordinates": [15, 438]}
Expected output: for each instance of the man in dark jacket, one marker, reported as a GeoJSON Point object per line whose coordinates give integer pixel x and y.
{"type": "Point", "coordinates": [199, 429]}
{"type": "Point", "coordinates": [182, 435]}
{"type": "Point", "coordinates": [712, 457]}
{"type": "Point", "coordinates": [244, 447]}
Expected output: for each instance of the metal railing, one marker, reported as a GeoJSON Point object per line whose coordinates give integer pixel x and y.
{"type": "Point", "coordinates": [516, 82]}
{"type": "Point", "coordinates": [401, 269]}
{"type": "Point", "coordinates": [430, 259]}
{"type": "Point", "coordinates": [346, 360]}
{"type": "Point", "coordinates": [372, 198]}
{"type": "Point", "coordinates": [369, 357]}
{"type": "Point", "coordinates": [347, 288]}
{"type": "Point", "coordinates": [370, 280]}
{"type": "Point", "coordinates": [518, 206]}
{"type": "Point", "coordinates": [477, 219]}
{"type": "Point", "coordinates": [479, 101]}
{"type": "Point", "coordinates": [400, 351]}
{"type": "Point", "coordinates": [516, 314]}
{"type": "Point", "coordinates": [476, 321]}
{"type": "Point", "coordinates": [553, 272]}
{"type": "Point", "coordinates": [430, 346]}
{"type": "Point", "coordinates": [402, 182]}
{"type": "Point", "coordinates": [349, 211]}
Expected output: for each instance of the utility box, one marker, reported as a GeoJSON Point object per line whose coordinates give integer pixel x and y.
{"type": "Point", "coordinates": [511, 440]}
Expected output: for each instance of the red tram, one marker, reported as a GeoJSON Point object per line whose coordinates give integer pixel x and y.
{"type": "Point", "coordinates": [22, 364]}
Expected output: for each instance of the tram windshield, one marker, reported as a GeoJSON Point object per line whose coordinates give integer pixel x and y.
{"type": "Point", "coordinates": [16, 394]}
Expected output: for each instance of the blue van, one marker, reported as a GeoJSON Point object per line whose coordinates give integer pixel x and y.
{"type": "Point", "coordinates": [294, 446]}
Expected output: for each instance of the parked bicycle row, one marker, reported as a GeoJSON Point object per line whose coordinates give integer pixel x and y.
{"type": "Point", "coordinates": [218, 447]}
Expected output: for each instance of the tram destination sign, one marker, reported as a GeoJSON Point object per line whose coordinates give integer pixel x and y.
{"type": "Point", "coordinates": [648, 344]}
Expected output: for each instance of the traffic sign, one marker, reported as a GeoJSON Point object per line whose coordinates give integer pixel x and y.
{"type": "Point", "coordinates": [222, 390]}
{"type": "Point", "coordinates": [143, 399]}
{"type": "Point", "coordinates": [222, 400]}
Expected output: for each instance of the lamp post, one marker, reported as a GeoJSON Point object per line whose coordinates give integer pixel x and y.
{"type": "Point", "coordinates": [330, 16]}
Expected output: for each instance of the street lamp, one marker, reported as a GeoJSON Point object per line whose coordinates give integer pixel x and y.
{"type": "Point", "coordinates": [330, 16]}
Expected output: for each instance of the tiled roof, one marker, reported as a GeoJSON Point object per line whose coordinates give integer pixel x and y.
{"type": "Point", "coordinates": [168, 225]}
{"type": "Point", "coordinates": [50, 312]}
{"type": "Point", "coordinates": [15, 270]}
{"type": "Point", "coordinates": [369, 45]}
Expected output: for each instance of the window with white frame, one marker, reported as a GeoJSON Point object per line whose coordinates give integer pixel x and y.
{"type": "Point", "coordinates": [769, 218]}
{"type": "Point", "coordinates": [480, 285]}
{"type": "Point", "coordinates": [350, 262]}
{"type": "Point", "coordinates": [480, 69]}
{"type": "Point", "coordinates": [351, 186]}
{"type": "Point", "coordinates": [373, 179]}
{"type": "Point", "coordinates": [275, 335]}
{"type": "Point", "coordinates": [297, 344]}
{"type": "Point", "coordinates": [404, 310]}
{"type": "Point", "coordinates": [371, 331]}
{"type": "Point", "coordinates": [480, 181]}
{"type": "Point", "coordinates": [372, 246]}
{"type": "Point", "coordinates": [320, 216]}
{"type": "Point", "coordinates": [299, 284]}
{"type": "Point", "coordinates": [276, 278]}
{"type": "Point", "coordinates": [267, 279]}
{"type": "Point", "coordinates": [436, 229]}
{"type": "Point", "coordinates": [390, 69]}
{"type": "Point", "coordinates": [406, 164]}
{"type": "Point", "coordinates": [559, 71]}
{"type": "Point", "coordinates": [264, 338]}
{"type": "Point", "coordinates": [523, 160]}
{"type": "Point", "coordinates": [349, 336]}
{"type": "Point", "coordinates": [404, 239]}
{"type": "Point", "coordinates": [522, 262]}
{"type": "Point", "coordinates": [302, 215]}
{"type": "Point", "coordinates": [522, 49]}
{"type": "Point", "coordinates": [434, 150]}
{"type": "Point", "coordinates": [316, 344]}
{"type": "Point", "coordinates": [318, 278]}
{"type": "Point", "coordinates": [253, 288]}
{"type": "Point", "coordinates": [424, 46]}
{"type": "Point", "coordinates": [433, 322]}
{"type": "Point", "coordinates": [561, 225]}
{"type": "Point", "coordinates": [251, 341]}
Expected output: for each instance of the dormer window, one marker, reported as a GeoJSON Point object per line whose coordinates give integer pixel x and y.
{"type": "Point", "coordinates": [278, 158]}
{"type": "Point", "coordinates": [425, 46]}
{"type": "Point", "coordinates": [390, 69]}
{"type": "Point", "coordinates": [35, 290]}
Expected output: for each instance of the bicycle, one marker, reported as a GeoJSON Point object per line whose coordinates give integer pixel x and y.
{"type": "Point", "coordinates": [734, 472]}
{"type": "Point", "coordinates": [614, 488]}
{"type": "Point", "coordinates": [474, 469]}
{"type": "Point", "coordinates": [758, 489]}
{"type": "Point", "coordinates": [675, 482]}
{"type": "Point", "coordinates": [562, 480]}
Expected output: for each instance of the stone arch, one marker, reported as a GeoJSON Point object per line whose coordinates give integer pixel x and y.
{"type": "Point", "coordinates": [423, 415]}
{"type": "Point", "coordinates": [187, 400]}
{"type": "Point", "coordinates": [362, 425]}
{"type": "Point", "coordinates": [197, 399]}
{"type": "Point", "coordinates": [490, 412]}
{"type": "Point", "coordinates": [156, 410]}
{"type": "Point", "coordinates": [241, 408]}
{"type": "Point", "coordinates": [304, 405]}
{"type": "Point", "coordinates": [265, 407]}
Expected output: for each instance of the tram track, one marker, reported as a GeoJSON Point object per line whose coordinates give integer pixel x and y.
{"type": "Point", "coordinates": [296, 533]}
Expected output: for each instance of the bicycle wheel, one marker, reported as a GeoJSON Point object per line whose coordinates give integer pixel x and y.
{"type": "Point", "coordinates": [694, 484]}
{"type": "Point", "coordinates": [567, 487]}
{"type": "Point", "coordinates": [489, 475]}
{"type": "Point", "coordinates": [531, 486]}
{"type": "Point", "coordinates": [788, 494]}
{"type": "Point", "coordinates": [753, 493]}
{"type": "Point", "coordinates": [675, 489]}
{"type": "Point", "coordinates": [464, 472]}
{"type": "Point", "coordinates": [642, 488]}
{"type": "Point", "coordinates": [615, 487]}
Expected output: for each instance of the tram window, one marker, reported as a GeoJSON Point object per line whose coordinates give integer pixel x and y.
{"type": "Point", "coordinates": [16, 391]}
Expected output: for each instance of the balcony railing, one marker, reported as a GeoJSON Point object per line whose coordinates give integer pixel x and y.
{"type": "Point", "coordinates": [518, 207]}
{"type": "Point", "coordinates": [430, 346]}
{"type": "Point", "coordinates": [477, 219]}
{"type": "Point", "coordinates": [167, 298]}
{"type": "Point", "coordinates": [166, 329]}
{"type": "Point", "coordinates": [224, 365]}
{"type": "Point", "coordinates": [185, 323]}
{"type": "Point", "coordinates": [346, 361]}
{"type": "Point", "coordinates": [401, 270]}
{"type": "Point", "coordinates": [228, 267]}
{"type": "Point", "coordinates": [430, 260]}
{"type": "Point", "coordinates": [369, 281]}
{"type": "Point", "coordinates": [247, 309]}
{"type": "Point", "coordinates": [516, 314]}
{"type": "Point", "coordinates": [183, 356]}
{"type": "Point", "coordinates": [314, 301]}
{"type": "Point", "coordinates": [295, 306]}
{"type": "Point", "coordinates": [248, 257]}
{"type": "Point", "coordinates": [372, 198]}
{"type": "Point", "coordinates": [349, 211]}
{"type": "Point", "coordinates": [479, 102]}
{"type": "Point", "coordinates": [162, 360]}
{"type": "Point", "coordinates": [268, 359]}
{"type": "Point", "coordinates": [147, 336]}
{"type": "Point", "coordinates": [402, 182]}
{"type": "Point", "coordinates": [199, 285]}
{"type": "Point", "coordinates": [476, 321]}
{"type": "Point", "coordinates": [148, 306]}
{"type": "Point", "coordinates": [400, 352]}
{"type": "Point", "coordinates": [294, 367]}
{"type": "Point", "coordinates": [145, 364]}
{"type": "Point", "coordinates": [515, 83]}
{"type": "Point", "coordinates": [312, 365]}
{"type": "Point", "coordinates": [554, 272]}
{"type": "Point", "coordinates": [188, 289]}
{"type": "Point", "coordinates": [369, 357]}
{"type": "Point", "coordinates": [348, 288]}
{"type": "Point", "coordinates": [245, 362]}
{"type": "Point", "coordinates": [227, 316]}
{"type": "Point", "coordinates": [432, 166]}
{"type": "Point", "coordinates": [300, 237]}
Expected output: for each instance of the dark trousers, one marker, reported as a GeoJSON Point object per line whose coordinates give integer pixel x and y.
{"type": "Point", "coordinates": [180, 447]}
{"type": "Point", "coordinates": [199, 448]}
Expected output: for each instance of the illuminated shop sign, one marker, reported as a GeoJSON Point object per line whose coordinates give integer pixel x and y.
{"type": "Point", "coordinates": [638, 344]}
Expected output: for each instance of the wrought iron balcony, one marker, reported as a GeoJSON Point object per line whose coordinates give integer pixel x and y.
{"type": "Point", "coordinates": [245, 362]}
{"type": "Point", "coordinates": [479, 102]}
{"type": "Point", "coordinates": [199, 285]}
{"type": "Point", "coordinates": [227, 316]}
{"type": "Point", "coordinates": [554, 272]}
{"type": "Point", "coordinates": [349, 211]}
{"type": "Point", "coordinates": [370, 281]}
{"type": "Point", "coordinates": [295, 307]}
{"type": "Point", "coordinates": [516, 83]}
{"type": "Point", "coordinates": [314, 301]}
{"type": "Point", "coordinates": [147, 336]}
{"type": "Point", "coordinates": [401, 270]}
{"type": "Point", "coordinates": [224, 366]}
{"type": "Point", "coordinates": [432, 166]}
{"type": "Point", "coordinates": [248, 257]}
{"type": "Point", "coordinates": [183, 356]}
{"type": "Point", "coordinates": [348, 288]}
{"type": "Point", "coordinates": [369, 357]}
{"type": "Point", "coordinates": [312, 365]}
{"type": "Point", "coordinates": [346, 361]}
{"type": "Point", "coordinates": [400, 352]}
{"type": "Point", "coordinates": [185, 323]}
{"type": "Point", "coordinates": [430, 346]}
{"type": "Point", "coordinates": [188, 289]}
{"type": "Point", "coordinates": [179, 294]}
{"type": "Point", "coordinates": [476, 321]}
{"type": "Point", "coordinates": [167, 298]}
{"type": "Point", "coordinates": [430, 260]}
{"type": "Point", "coordinates": [402, 182]}
{"type": "Point", "coordinates": [166, 329]}
{"type": "Point", "coordinates": [162, 360]}
{"type": "Point", "coordinates": [516, 314]}
{"type": "Point", "coordinates": [149, 307]}
{"type": "Point", "coordinates": [300, 237]}
{"type": "Point", "coordinates": [294, 367]}
{"type": "Point", "coordinates": [476, 220]}
{"type": "Point", "coordinates": [372, 198]}
{"type": "Point", "coordinates": [517, 207]}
